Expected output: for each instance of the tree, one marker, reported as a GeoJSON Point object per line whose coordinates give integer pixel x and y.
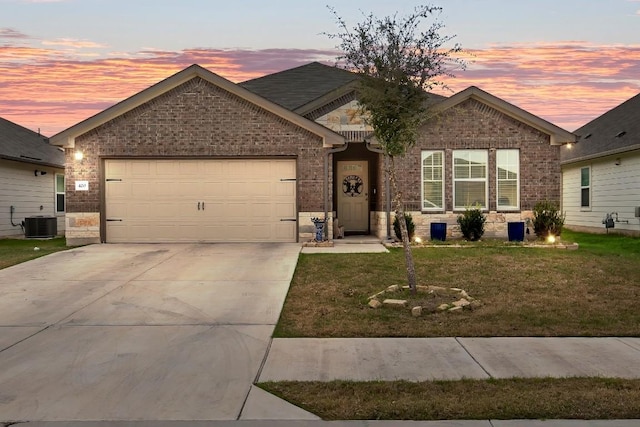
{"type": "Point", "coordinates": [398, 63]}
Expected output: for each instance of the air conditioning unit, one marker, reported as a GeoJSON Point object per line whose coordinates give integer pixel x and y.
{"type": "Point", "coordinates": [40, 226]}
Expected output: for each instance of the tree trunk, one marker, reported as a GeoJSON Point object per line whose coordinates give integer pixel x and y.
{"type": "Point", "coordinates": [406, 243]}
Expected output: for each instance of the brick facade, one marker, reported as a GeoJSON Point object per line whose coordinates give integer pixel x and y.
{"type": "Point", "coordinates": [195, 119]}
{"type": "Point", "coordinates": [474, 125]}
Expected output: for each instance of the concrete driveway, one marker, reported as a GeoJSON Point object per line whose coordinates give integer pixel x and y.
{"type": "Point", "coordinates": [139, 332]}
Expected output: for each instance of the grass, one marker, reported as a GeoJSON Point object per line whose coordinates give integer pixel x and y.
{"type": "Point", "coordinates": [592, 291]}
{"type": "Point", "coordinates": [16, 251]}
{"type": "Point", "coordinates": [537, 398]}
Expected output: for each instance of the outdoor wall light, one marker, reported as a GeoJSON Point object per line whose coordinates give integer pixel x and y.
{"type": "Point", "coordinates": [38, 172]}
{"type": "Point", "coordinates": [78, 155]}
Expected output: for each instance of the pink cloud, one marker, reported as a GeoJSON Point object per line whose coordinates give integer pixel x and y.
{"type": "Point", "coordinates": [10, 33]}
{"type": "Point", "coordinates": [50, 90]}
{"type": "Point", "coordinates": [567, 83]}
{"type": "Point", "coordinates": [72, 43]}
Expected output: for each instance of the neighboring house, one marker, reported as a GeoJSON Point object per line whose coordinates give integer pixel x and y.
{"type": "Point", "coordinates": [601, 172]}
{"type": "Point", "coordinates": [31, 182]}
{"type": "Point", "coordinates": [476, 149]}
{"type": "Point", "coordinates": [198, 158]}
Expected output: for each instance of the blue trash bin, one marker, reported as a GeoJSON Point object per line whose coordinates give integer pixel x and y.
{"type": "Point", "coordinates": [439, 231]}
{"type": "Point", "coordinates": [515, 230]}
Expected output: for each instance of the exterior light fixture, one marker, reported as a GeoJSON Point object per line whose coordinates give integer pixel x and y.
{"type": "Point", "coordinates": [551, 239]}
{"type": "Point", "coordinates": [78, 155]}
{"type": "Point", "coordinates": [417, 240]}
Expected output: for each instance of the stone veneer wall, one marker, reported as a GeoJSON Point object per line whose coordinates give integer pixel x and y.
{"type": "Point", "coordinates": [494, 227]}
{"type": "Point", "coordinates": [199, 120]}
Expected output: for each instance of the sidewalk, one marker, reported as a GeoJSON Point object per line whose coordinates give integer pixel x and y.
{"type": "Point", "coordinates": [389, 359]}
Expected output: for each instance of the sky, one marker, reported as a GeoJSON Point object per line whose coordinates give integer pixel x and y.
{"type": "Point", "coordinates": [62, 61]}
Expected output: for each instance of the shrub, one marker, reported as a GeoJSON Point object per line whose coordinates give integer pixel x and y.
{"type": "Point", "coordinates": [472, 223]}
{"type": "Point", "coordinates": [411, 227]}
{"type": "Point", "coordinates": [547, 219]}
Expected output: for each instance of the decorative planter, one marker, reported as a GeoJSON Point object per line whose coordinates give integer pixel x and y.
{"type": "Point", "coordinates": [439, 231]}
{"type": "Point", "coordinates": [319, 223]}
{"type": "Point", "coordinates": [515, 230]}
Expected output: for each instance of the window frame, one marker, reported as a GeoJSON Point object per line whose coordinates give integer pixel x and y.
{"type": "Point", "coordinates": [587, 187]}
{"type": "Point", "coordinates": [512, 207]}
{"type": "Point", "coordinates": [58, 193]}
{"type": "Point", "coordinates": [454, 180]}
{"type": "Point", "coordinates": [423, 180]}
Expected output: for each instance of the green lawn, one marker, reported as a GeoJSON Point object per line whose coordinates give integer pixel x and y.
{"type": "Point", "coordinates": [15, 251]}
{"type": "Point", "coordinates": [503, 399]}
{"type": "Point", "coordinates": [524, 291]}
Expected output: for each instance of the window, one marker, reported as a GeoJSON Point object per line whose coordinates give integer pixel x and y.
{"type": "Point", "coordinates": [508, 178]}
{"type": "Point", "coordinates": [59, 193]}
{"type": "Point", "coordinates": [469, 178]}
{"type": "Point", "coordinates": [585, 187]}
{"type": "Point", "coordinates": [432, 180]}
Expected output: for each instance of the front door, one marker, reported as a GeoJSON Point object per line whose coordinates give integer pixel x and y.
{"type": "Point", "coordinates": [353, 195]}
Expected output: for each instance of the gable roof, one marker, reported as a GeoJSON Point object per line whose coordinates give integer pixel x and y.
{"type": "Point", "coordinates": [299, 89]}
{"type": "Point", "coordinates": [616, 131]}
{"type": "Point", "coordinates": [558, 136]}
{"type": "Point", "coordinates": [20, 144]}
{"type": "Point", "coordinates": [310, 87]}
{"type": "Point", "coordinates": [67, 137]}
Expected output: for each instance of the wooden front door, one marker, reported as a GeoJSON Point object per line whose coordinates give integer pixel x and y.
{"type": "Point", "coordinates": [352, 180]}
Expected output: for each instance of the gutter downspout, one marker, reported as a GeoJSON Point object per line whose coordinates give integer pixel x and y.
{"type": "Point", "coordinates": [326, 184]}
{"type": "Point", "coordinates": [387, 186]}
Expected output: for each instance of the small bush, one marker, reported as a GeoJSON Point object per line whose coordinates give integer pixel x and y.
{"type": "Point", "coordinates": [411, 227]}
{"type": "Point", "coordinates": [472, 223]}
{"type": "Point", "coordinates": [547, 219]}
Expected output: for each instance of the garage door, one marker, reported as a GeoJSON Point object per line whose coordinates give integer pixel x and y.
{"type": "Point", "coordinates": [200, 200]}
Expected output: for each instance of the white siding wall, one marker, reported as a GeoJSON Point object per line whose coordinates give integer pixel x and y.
{"type": "Point", "coordinates": [614, 188]}
{"type": "Point", "coordinates": [19, 187]}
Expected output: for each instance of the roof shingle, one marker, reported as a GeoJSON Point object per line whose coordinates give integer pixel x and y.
{"type": "Point", "coordinates": [23, 145]}
{"type": "Point", "coordinates": [297, 87]}
{"type": "Point", "coordinates": [615, 131]}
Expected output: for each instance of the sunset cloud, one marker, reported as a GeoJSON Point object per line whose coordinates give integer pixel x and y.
{"type": "Point", "coordinates": [54, 86]}
{"type": "Point", "coordinates": [72, 43]}
{"type": "Point", "coordinates": [566, 83]}
{"type": "Point", "coordinates": [10, 33]}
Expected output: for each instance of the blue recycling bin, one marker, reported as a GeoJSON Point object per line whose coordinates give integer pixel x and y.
{"type": "Point", "coordinates": [515, 230]}
{"type": "Point", "coordinates": [439, 231]}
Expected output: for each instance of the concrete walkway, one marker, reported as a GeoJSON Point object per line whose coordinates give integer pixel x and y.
{"type": "Point", "coordinates": [426, 359]}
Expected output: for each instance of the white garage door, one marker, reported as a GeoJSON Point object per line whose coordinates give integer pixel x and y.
{"type": "Point", "coordinates": [200, 200]}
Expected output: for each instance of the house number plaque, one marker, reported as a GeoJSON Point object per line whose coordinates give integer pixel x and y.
{"type": "Point", "coordinates": [82, 185]}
